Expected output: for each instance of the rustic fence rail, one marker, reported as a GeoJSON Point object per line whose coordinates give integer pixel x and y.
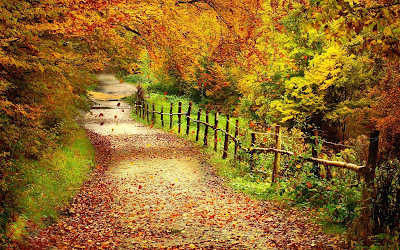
{"type": "Point", "coordinates": [368, 171]}
{"type": "Point", "coordinates": [143, 110]}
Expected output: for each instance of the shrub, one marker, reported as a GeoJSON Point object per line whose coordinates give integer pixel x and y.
{"type": "Point", "coordinates": [386, 198]}
{"type": "Point", "coordinates": [337, 200]}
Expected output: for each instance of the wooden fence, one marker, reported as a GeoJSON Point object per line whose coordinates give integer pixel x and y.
{"type": "Point", "coordinates": [232, 134]}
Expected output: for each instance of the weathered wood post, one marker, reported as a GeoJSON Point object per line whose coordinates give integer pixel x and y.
{"type": "Point", "coordinates": [252, 151]}
{"type": "Point", "coordinates": [147, 112]}
{"type": "Point", "coordinates": [179, 117]}
{"type": "Point", "coordinates": [216, 131]}
{"type": "Point", "coordinates": [170, 115]}
{"type": "Point", "coordinates": [329, 171]}
{"type": "Point", "coordinates": [188, 117]}
{"type": "Point", "coordinates": [162, 115]}
{"type": "Point", "coordinates": [314, 151]}
{"type": "Point", "coordinates": [369, 174]}
{"type": "Point", "coordinates": [154, 114]}
{"type": "Point", "coordinates": [226, 142]}
{"type": "Point", "coordinates": [198, 124]}
{"type": "Point", "coordinates": [372, 156]}
{"type": "Point", "coordinates": [136, 107]}
{"type": "Point", "coordinates": [206, 130]}
{"type": "Point", "coordinates": [278, 145]}
{"type": "Point", "coordinates": [236, 138]}
{"type": "Point", "coordinates": [143, 109]}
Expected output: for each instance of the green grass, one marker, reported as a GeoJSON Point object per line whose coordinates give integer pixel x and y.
{"type": "Point", "coordinates": [50, 182]}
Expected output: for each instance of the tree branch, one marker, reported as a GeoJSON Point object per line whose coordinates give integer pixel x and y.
{"type": "Point", "coordinates": [374, 8]}
{"type": "Point", "coordinates": [190, 1]}
{"type": "Point", "coordinates": [132, 30]}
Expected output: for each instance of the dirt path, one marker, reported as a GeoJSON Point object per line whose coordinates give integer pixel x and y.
{"type": "Point", "coordinates": [153, 190]}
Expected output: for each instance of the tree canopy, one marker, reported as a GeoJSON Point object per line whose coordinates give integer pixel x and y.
{"type": "Point", "coordinates": [332, 64]}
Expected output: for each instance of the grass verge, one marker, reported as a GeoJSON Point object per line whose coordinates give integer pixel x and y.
{"type": "Point", "coordinates": [47, 184]}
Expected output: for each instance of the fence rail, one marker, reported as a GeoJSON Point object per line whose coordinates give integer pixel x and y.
{"type": "Point", "coordinates": [143, 110]}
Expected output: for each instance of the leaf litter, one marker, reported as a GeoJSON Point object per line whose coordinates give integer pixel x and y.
{"type": "Point", "coordinates": [153, 190]}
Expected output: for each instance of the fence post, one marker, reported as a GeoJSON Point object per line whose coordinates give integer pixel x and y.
{"type": "Point", "coordinates": [236, 137]}
{"type": "Point", "coordinates": [366, 212]}
{"type": "Point", "coordinates": [162, 115]}
{"type": "Point", "coordinates": [136, 107]}
{"type": "Point", "coordinates": [188, 118]}
{"type": "Point", "coordinates": [206, 130]}
{"type": "Point", "coordinates": [372, 156]}
{"type": "Point", "coordinates": [147, 112]}
{"type": "Point", "coordinates": [143, 111]}
{"type": "Point", "coordinates": [226, 143]}
{"type": "Point", "coordinates": [216, 132]}
{"type": "Point", "coordinates": [314, 151]}
{"type": "Point", "coordinates": [252, 144]}
{"type": "Point", "coordinates": [198, 124]}
{"type": "Point", "coordinates": [179, 117]}
{"type": "Point", "coordinates": [278, 145]}
{"type": "Point", "coordinates": [329, 171]}
{"type": "Point", "coordinates": [170, 115]}
{"type": "Point", "coordinates": [154, 115]}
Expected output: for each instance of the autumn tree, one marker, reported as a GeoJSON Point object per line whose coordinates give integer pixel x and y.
{"type": "Point", "coordinates": [307, 80]}
{"type": "Point", "coordinates": [49, 48]}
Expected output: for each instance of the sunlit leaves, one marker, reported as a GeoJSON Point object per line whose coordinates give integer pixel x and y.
{"type": "Point", "coordinates": [376, 22]}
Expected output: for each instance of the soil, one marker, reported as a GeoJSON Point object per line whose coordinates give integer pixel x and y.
{"type": "Point", "coordinates": [153, 190]}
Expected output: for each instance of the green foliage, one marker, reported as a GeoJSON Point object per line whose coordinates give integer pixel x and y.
{"type": "Point", "coordinates": [386, 241]}
{"type": "Point", "coordinates": [338, 201]}
{"type": "Point", "coordinates": [145, 78]}
{"type": "Point", "coordinates": [386, 198]}
{"type": "Point", "coordinates": [42, 187]}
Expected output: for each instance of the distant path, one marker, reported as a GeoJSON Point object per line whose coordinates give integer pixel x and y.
{"type": "Point", "coordinates": [154, 190]}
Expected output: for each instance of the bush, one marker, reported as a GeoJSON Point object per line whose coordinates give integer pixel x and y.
{"type": "Point", "coordinates": [386, 198]}
{"type": "Point", "coordinates": [338, 201]}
